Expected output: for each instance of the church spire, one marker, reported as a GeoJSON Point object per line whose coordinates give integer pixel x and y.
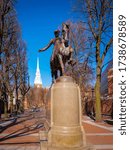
{"type": "Point", "coordinates": [38, 80]}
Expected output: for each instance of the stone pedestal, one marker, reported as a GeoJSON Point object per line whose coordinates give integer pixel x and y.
{"type": "Point", "coordinates": [66, 129]}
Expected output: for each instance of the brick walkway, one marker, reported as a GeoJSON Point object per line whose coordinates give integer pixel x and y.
{"type": "Point", "coordinates": [98, 134]}
{"type": "Point", "coordinates": [24, 133]}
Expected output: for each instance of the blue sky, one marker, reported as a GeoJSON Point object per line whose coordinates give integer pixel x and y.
{"type": "Point", "coordinates": [38, 19]}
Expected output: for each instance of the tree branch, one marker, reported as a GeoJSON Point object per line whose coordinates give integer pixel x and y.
{"type": "Point", "coordinates": [107, 48]}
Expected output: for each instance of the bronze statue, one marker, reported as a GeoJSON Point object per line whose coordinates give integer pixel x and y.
{"type": "Point", "coordinates": [62, 52]}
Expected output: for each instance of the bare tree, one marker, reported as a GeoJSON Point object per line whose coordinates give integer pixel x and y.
{"type": "Point", "coordinates": [12, 53]}
{"type": "Point", "coordinates": [7, 14]}
{"type": "Point", "coordinates": [97, 15]}
{"type": "Point", "coordinates": [82, 68]}
{"type": "Point", "coordinates": [36, 97]}
{"type": "Point", "coordinates": [82, 71]}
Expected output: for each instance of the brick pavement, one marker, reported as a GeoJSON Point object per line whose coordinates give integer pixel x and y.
{"type": "Point", "coordinates": [24, 134]}
{"type": "Point", "coordinates": [98, 134]}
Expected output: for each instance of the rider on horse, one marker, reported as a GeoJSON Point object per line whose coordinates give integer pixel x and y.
{"type": "Point", "coordinates": [62, 51]}
{"type": "Point", "coordinates": [56, 41]}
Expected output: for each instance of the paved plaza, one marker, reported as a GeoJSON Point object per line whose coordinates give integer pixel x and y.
{"type": "Point", "coordinates": [22, 133]}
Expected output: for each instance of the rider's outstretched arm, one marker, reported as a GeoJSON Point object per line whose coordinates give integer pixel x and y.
{"type": "Point", "coordinates": [46, 47]}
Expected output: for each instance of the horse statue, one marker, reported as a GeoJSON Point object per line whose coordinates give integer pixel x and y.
{"type": "Point", "coordinates": [62, 52]}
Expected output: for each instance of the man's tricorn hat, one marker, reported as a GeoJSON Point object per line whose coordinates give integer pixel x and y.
{"type": "Point", "coordinates": [56, 31]}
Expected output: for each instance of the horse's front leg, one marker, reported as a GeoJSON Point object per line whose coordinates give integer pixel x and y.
{"type": "Point", "coordinates": [60, 71]}
{"type": "Point", "coordinates": [61, 64]}
{"type": "Point", "coordinates": [56, 74]}
{"type": "Point", "coordinates": [52, 70]}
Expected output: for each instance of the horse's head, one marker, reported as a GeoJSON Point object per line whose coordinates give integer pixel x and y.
{"type": "Point", "coordinates": [65, 26]}
{"type": "Point", "coordinates": [65, 31]}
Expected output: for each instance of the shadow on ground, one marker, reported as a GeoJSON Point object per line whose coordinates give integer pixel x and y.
{"type": "Point", "coordinates": [26, 130]}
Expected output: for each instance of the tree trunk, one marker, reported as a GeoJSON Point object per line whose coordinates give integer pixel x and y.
{"type": "Point", "coordinates": [16, 94]}
{"type": "Point", "coordinates": [22, 104]}
{"type": "Point", "coordinates": [11, 103]}
{"type": "Point", "coordinates": [5, 110]}
{"type": "Point", "coordinates": [0, 108]}
{"type": "Point", "coordinates": [97, 94]}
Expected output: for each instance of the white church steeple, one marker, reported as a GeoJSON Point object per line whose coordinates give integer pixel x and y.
{"type": "Point", "coordinates": [38, 80]}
